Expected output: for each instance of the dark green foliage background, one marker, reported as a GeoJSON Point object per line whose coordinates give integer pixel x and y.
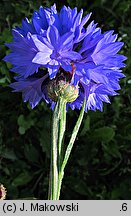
{"type": "Point", "coordinates": [100, 163]}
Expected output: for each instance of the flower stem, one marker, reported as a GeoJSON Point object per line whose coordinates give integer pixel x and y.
{"type": "Point", "coordinates": [53, 181]}
{"type": "Point", "coordinates": [58, 130]}
{"type": "Point", "coordinates": [62, 127]}
{"type": "Point", "coordinates": [69, 147]}
{"type": "Point", "coordinates": [58, 159]}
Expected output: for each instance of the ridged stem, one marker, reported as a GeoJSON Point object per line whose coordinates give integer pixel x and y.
{"type": "Point", "coordinates": [58, 130]}
{"type": "Point", "coordinates": [59, 158]}
{"type": "Point", "coordinates": [70, 146]}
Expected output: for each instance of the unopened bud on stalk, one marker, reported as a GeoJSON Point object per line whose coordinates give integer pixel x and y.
{"type": "Point", "coordinates": [60, 87]}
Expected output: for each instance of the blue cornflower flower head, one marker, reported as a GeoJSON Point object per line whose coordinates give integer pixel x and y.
{"type": "Point", "coordinates": [55, 45]}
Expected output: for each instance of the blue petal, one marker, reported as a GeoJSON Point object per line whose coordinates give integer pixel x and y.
{"type": "Point", "coordinates": [27, 70]}
{"type": "Point", "coordinates": [40, 45]}
{"type": "Point", "coordinates": [40, 23]}
{"type": "Point", "coordinates": [26, 27]}
{"type": "Point", "coordinates": [77, 20]}
{"type": "Point", "coordinates": [53, 35]}
{"type": "Point", "coordinates": [31, 90]}
{"type": "Point", "coordinates": [53, 68]}
{"type": "Point", "coordinates": [71, 55]}
{"type": "Point", "coordinates": [66, 41]}
{"type": "Point", "coordinates": [41, 58]}
{"type": "Point", "coordinates": [85, 19]}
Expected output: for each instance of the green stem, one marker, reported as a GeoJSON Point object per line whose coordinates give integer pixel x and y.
{"type": "Point", "coordinates": [53, 181]}
{"type": "Point", "coordinates": [73, 136]}
{"type": "Point", "coordinates": [70, 145]}
{"type": "Point", "coordinates": [58, 160]}
{"type": "Point", "coordinates": [58, 129]}
{"type": "Point", "coordinates": [62, 127]}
